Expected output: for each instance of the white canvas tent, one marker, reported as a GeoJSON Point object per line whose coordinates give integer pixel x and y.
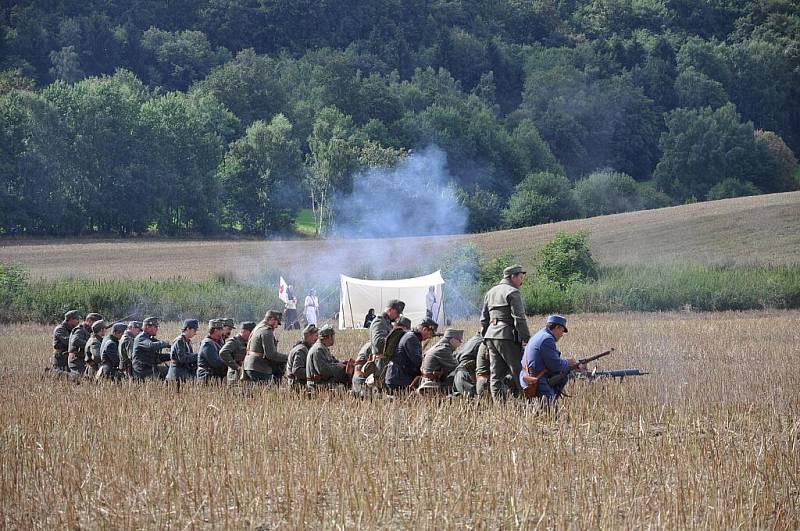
{"type": "Point", "coordinates": [357, 296]}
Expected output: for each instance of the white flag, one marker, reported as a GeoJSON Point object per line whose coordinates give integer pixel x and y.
{"type": "Point", "coordinates": [283, 290]}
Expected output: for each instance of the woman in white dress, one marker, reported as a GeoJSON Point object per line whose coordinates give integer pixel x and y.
{"type": "Point", "coordinates": [312, 307]}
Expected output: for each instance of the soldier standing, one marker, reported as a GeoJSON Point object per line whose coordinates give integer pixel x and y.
{"type": "Point", "coordinates": [147, 356]}
{"type": "Point", "coordinates": [505, 332]}
{"type": "Point", "coordinates": [380, 328]}
{"type": "Point", "coordinates": [183, 359]}
{"type": "Point", "coordinates": [263, 362]}
{"type": "Point", "coordinates": [109, 353]}
{"type": "Point", "coordinates": [77, 344]}
{"type": "Point", "coordinates": [322, 368]}
{"type": "Point", "coordinates": [406, 363]}
{"type": "Point", "coordinates": [464, 375]}
{"type": "Point", "coordinates": [209, 364]}
{"type": "Point", "coordinates": [296, 364]}
{"type": "Point", "coordinates": [439, 362]}
{"type": "Point", "coordinates": [227, 329]}
{"type": "Point", "coordinates": [126, 347]}
{"type": "Point", "coordinates": [92, 348]}
{"type": "Point", "coordinates": [235, 350]}
{"type": "Point", "coordinates": [61, 339]}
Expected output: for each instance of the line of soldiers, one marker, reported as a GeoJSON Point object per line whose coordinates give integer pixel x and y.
{"type": "Point", "coordinates": [499, 360]}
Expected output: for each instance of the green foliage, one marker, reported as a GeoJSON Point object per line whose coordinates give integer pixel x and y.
{"type": "Point", "coordinates": [566, 259]}
{"type": "Point", "coordinates": [13, 281]}
{"type": "Point", "coordinates": [540, 198]}
{"type": "Point", "coordinates": [731, 188]}
{"type": "Point", "coordinates": [491, 271]}
{"type": "Point", "coordinates": [607, 192]}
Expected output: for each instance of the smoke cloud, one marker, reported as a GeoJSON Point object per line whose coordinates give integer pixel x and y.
{"type": "Point", "coordinates": [411, 199]}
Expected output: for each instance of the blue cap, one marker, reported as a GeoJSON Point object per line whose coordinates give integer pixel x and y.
{"type": "Point", "coordinates": [559, 320]}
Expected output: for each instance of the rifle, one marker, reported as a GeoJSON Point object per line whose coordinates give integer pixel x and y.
{"type": "Point", "coordinates": [620, 373]}
{"type": "Point", "coordinates": [560, 378]}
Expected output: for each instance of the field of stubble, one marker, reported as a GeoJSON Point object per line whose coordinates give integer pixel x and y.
{"type": "Point", "coordinates": [710, 440]}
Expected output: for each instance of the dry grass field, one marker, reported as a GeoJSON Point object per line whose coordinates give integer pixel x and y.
{"type": "Point", "coordinates": [710, 440]}
{"type": "Point", "coordinates": [759, 230]}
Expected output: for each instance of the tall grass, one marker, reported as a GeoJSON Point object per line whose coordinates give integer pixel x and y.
{"type": "Point", "coordinates": [634, 288]}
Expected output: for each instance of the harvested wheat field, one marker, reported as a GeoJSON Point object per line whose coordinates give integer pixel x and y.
{"type": "Point", "coordinates": [750, 231]}
{"type": "Point", "coordinates": [711, 439]}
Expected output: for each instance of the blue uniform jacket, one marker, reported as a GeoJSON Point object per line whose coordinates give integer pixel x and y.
{"type": "Point", "coordinates": [406, 362]}
{"type": "Point", "coordinates": [209, 364]}
{"type": "Point", "coordinates": [541, 353]}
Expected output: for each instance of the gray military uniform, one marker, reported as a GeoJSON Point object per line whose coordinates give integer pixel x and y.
{"type": "Point", "coordinates": [209, 364]}
{"type": "Point", "coordinates": [92, 359]}
{"type": "Point", "coordinates": [296, 364]}
{"type": "Point", "coordinates": [322, 368]}
{"type": "Point", "coordinates": [464, 375]}
{"type": "Point", "coordinates": [183, 360]}
{"type": "Point", "coordinates": [437, 364]}
{"type": "Point", "coordinates": [126, 350]}
{"type": "Point", "coordinates": [262, 353]}
{"type": "Point", "coordinates": [61, 346]}
{"type": "Point", "coordinates": [147, 356]}
{"type": "Point", "coordinates": [77, 343]}
{"type": "Point", "coordinates": [233, 353]}
{"type": "Point", "coordinates": [379, 330]}
{"type": "Point", "coordinates": [505, 329]}
{"type": "Point", "coordinates": [357, 384]}
{"type": "Point", "coordinates": [109, 358]}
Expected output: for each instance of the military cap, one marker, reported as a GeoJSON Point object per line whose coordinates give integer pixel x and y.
{"type": "Point", "coordinates": [326, 331]}
{"type": "Point", "coordinates": [273, 314]}
{"type": "Point", "coordinates": [427, 385]}
{"type": "Point", "coordinates": [72, 314]}
{"type": "Point", "coordinates": [427, 322]}
{"type": "Point", "coordinates": [214, 323]}
{"type": "Point", "coordinates": [227, 321]}
{"type": "Point", "coordinates": [151, 321]}
{"type": "Point", "coordinates": [513, 270]}
{"type": "Point", "coordinates": [247, 325]}
{"type": "Point", "coordinates": [135, 324]}
{"type": "Point", "coordinates": [396, 305]}
{"type": "Point", "coordinates": [559, 320]}
{"type": "Point", "coordinates": [119, 327]}
{"type": "Point", "coordinates": [190, 323]}
{"type": "Point", "coordinates": [99, 325]}
{"type": "Point", "coordinates": [310, 329]}
{"type": "Point", "coordinates": [93, 317]}
{"type": "Point", "coordinates": [404, 322]}
{"type": "Point", "coordinates": [452, 333]}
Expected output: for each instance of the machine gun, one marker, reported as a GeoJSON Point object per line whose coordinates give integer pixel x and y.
{"type": "Point", "coordinates": [560, 378]}
{"type": "Point", "coordinates": [619, 373]}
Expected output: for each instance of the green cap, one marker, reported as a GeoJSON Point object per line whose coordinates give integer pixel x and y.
{"type": "Point", "coordinates": [215, 323]}
{"type": "Point", "coordinates": [452, 333]}
{"type": "Point", "coordinates": [513, 270]}
{"type": "Point", "coordinates": [72, 314]}
{"type": "Point", "coordinates": [273, 314]}
{"type": "Point", "coordinates": [152, 321]}
{"type": "Point", "coordinates": [118, 327]}
{"type": "Point", "coordinates": [227, 321]}
{"type": "Point", "coordinates": [247, 325]}
{"type": "Point", "coordinates": [97, 326]}
{"type": "Point", "coordinates": [93, 317]}
{"type": "Point", "coordinates": [310, 329]}
{"type": "Point", "coordinates": [429, 323]}
{"type": "Point", "coordinates": [326, 331]}
{"type": "Point", "coordinates": [135, 324]}
{"type": "Point", "coordinates": [404, 322]}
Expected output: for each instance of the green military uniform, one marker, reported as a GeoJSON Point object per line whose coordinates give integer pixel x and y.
{"type": "Point", "coordinates": [439, 362]}
{"type": "Point", "coordinates": [296, 364]}
{"type": "Point", "coordinates": [234, 352]}
{"type": "Point", "coordinates": [263, 361]}
{"type": "Point", "coordinates": [182, 357]}
{"type": "Point", "coordinates": [379, 330]}
{"type": "Point", "coordinates": [482, 370]}
{"type": "Point", "coordinates": [505, 330]}
{"type": "Point", "coordinates": [77, 348]}
{"type": "Point", "coordinates": [109, 354]}
{"type": "Point", "coordinates": [61, 335]}
{"type": "Point", "coordinates": [322, 368]}
{"type": "Point", "coordinates": [147, 357]}
{"type": "Point", "coordinates": [92, 349]}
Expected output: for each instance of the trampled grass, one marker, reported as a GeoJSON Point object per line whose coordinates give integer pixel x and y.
{"type": "Point", "coordinates": [748, 231]}
{"type": "Point", "coordinates": [711, 439]}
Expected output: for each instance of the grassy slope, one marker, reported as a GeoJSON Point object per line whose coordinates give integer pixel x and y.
{"type": "Point", "coordinates": [760, 230]}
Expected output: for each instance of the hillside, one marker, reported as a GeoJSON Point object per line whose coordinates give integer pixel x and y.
{"type": "Point", "coordinates": [760, 230]}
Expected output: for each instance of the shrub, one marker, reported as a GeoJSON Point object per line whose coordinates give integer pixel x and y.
{"type": "Point", "coordinates": [541, 197]}
{"type": "Point", "coordinates": [567, 259]}
{"type": "Point", "coordinates": [731, 188]}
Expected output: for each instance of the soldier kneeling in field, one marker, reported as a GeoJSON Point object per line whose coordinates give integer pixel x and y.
{"type": "Point", "coordinates": [322, 368]}
{"type": "Point", "coordinates": [464, 375]}
{"type": "Point", "coordinates": [439, 362]}
{"type": "Point", "coordinates": [183, 358]}
{"type": "Point", "coordinates": [209, 364]}
{"type": "Point", "coordinates": [109, 353]}
{"type": "Point", "coordinates": [296, 364]}
{"type": "Point", "coordinates": [147, 357]}
{"type": "Point", "coordinates": [406, 362]}
{"type": "Point", "coordinates": [263, 362]}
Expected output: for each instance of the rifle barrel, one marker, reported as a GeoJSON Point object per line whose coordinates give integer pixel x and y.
{"type": "Point", "coordinates": [584, 361]}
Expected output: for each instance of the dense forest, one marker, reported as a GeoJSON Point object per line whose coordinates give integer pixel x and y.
{"type": "Point", "coordinates": [229, 116]}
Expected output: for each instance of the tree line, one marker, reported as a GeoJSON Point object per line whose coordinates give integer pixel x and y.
{"type": "Point", "coordinates": [231, 115]}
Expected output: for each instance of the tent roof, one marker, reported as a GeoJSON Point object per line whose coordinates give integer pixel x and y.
{"type": "Point", "coordinates": [434, 279]}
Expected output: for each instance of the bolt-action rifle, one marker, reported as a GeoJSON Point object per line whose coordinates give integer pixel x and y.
{"type": "Point", "coordinates": [562, 377]}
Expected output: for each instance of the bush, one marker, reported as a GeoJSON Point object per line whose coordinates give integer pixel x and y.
{"type": "Point", "coordinates": [541, 197]}
{"type": "Point", "coordinates": [566, 260]}
{"type": "Point", "coordinates": [607, 192]}
{"type": "Point", "coordinates": [731, 188]}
